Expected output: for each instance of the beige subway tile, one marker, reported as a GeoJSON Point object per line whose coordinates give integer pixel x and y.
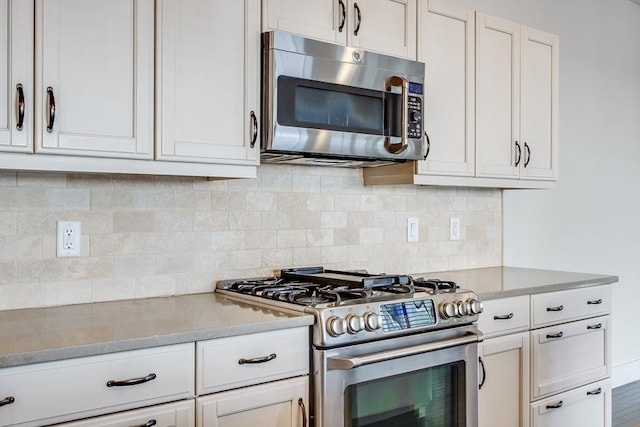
{"type": "Point", "coordinates": [46, 270]}
{"type": "Point", "coordinates": [113, 289]}
{"type": "Point", "coordinates": [291, 201]}
{"type": "Point", "coordinates": [227, 240]}
{"type": "Point", "coordinates": [66, 198]}
{"type": "Point", "coordinates": [8, 273]}
{"type": "Point", "coordinates": [156, 243]}
{"type": "Point", "coordinates": [93, 221]}
{"type": "Point", "coordinates": [20, 198]}
{"type": "Point", "coordinates": [173, 263]}
{"type": "Point", "coordinates": [211, 221]}
{"type": "Point", "coordinates": [320, 202]}
{"type": "Point", "coordinates": [260, 239]}
{"type": "Point", "coordinates": [341, 184]}
{"type": "Point", "coordinates": [242, 260]}
{"type": "Point", "coordinates": [20, 246]}
{"type": "Point", "coordinates": [173, 220]}
{"type": "Point", "coordinates": [333, 219]}
{"type": "Point", "coordinates": [153, 199]}
{"type": "Point", "coordinates": [192, 241]}
{"type": "Point", "coordinates": [291, 238]}
{"type": "Point", "coordinates": [245, 220]}
{"type": "Point", "coordinates": [92, 181]}
{"type": "Point", "coordinates": [133, 181]}
{"type": "Point", "coordinates": [89, 267]}
{"type": "Point", "coordinates": [38, 222]}
{"type": "Point", "coordinates": [211, 184]}
{"type": "Point", "coordinates": [194, 283]}
{"type": "Point", "coordinates": [67, 292]}
{"type": "Point", "coordinates": [276, 182]}
{"type": "Point", "coordinates": [8, 222]}
{"type": "Point", "coordinates": [111, 198]}
{"type": "Point", "coordinates": [333, 254]}
{"type": "Point", "coordinates": [302, 219]}
{"type": "Point", "coordinates": [111, 244]}
{"type": "Point", "coordinates": [276, 220]}
{"type": "Point", "coordinates": [306, 184]}
{"type": "Point", "coordinates": [346, 202]}
{"type": "Point", "coordinates": [277, 258]}
{"type": "Point", "coordinates": [210, 262]}
{"type": "Point", "coordinates": [371, 236]}
{"type": "Point", "coordinates": [155, 286]}
{"type": "Point", "coordinates": [133, 265]}
{"type": "Point", "coordinates": [305, 257]}
{"type": "Point", "coordinates": [133, 221]}
{"type": "Point", "coordinates": [22, 295]}
{"type": "Point", "coordinates": [319, 237]}
{"type": "Point", "coordinates": [346, 236]}
{"type": "Point", "coordinates": [261, 201]}
{"type": "Point", "coordinates": [193, 200]}
{"type": "Point", "coordinates": [173, 182]}
{"type": "Point", "coordinates": [41, 179]}
{"type": "Point", "coordinates": [8, 179]}
{"type": "Point", "coordinates": [228, 202]}
{"type": "Point", "coordinates": [244, 185]}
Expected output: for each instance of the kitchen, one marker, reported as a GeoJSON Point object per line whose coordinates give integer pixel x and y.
{"type": "Point", "coordinates": [146, 236]}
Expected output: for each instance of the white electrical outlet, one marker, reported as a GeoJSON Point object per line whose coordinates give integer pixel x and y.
{"type": "Point", "coordinates": [454, 228]}
{"type": "Point", "coordinates": [68, 238]}
{"type": "Point", "coordinates": [413, 227]}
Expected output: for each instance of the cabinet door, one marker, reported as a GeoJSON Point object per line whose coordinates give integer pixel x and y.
{"type": "Point", "coordinates": [318, 19]}
{"type": "Point", "coordinates": [539, 103]}
{"type": "Point", "coordinates": [278, 404]}
{"type": "Point", "coordinates": [503, 399]}
{"type": "Point", "coordinates": [208, 58]}
{"type": "Point", "coordinates": [97, 59]}
{"type": "Point", "coordinates": [178, 414]}
{"type": "Point", "coordinates": [498, 150]}
{"type": "Point", "coordinates": [385, 26]}
{"type": "Point", "coordinates": [16, 75]}
{"type": "Point", "coordinates": [446, 45]}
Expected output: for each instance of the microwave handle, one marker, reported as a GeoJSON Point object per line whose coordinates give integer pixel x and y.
{"type": "Point", "coordinates": [399, 147]}
{"type": "Point", "coordinates": [346, 363]}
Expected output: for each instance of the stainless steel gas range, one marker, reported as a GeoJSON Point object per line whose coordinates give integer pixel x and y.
{"type": "Point", "coordinates": [388, 350]}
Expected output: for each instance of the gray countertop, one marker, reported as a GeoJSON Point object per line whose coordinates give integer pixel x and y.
{"type": "Point", "coordinates": [54, 333]}
{"type": "Point", "coordinates": [503, 282]}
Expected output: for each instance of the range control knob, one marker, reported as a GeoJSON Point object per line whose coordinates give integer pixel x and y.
{"type": "Point", "coordinates": [475, 306]}
{"type": "Point", "coordinates": [355, 323]}
{"type": "Point", "coordinates": [463, 308]}
{"type": "Point", "coordinates": [371, 321]}
{"type": "Point", "coordinates": [448, 310]}
{"type": "Point", "coordinates": [415, 116]}
{"type": "Point", "coordinates": [336, 326]}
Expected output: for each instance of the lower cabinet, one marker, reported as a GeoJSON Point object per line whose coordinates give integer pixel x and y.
{"type": "Point", "coordinates": [503, 398]}
{"type": "Point", "coordinates": [177, 414]}
{"type": "Point", "coordinates": [281, 403]}
{"type": "Point", "coordinates": [587, 406]}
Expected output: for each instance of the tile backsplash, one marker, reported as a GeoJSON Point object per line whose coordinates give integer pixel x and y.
{"type": "Point", "coordinates": [146, 236]}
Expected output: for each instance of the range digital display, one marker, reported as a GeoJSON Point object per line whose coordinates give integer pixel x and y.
{"type": "Point", "coordinates": [407, 315]}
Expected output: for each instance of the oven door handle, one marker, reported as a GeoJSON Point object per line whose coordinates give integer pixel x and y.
{"type": "Point", "coordinates": [346, 363]}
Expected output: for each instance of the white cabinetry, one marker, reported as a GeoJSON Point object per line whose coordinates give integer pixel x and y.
{"type": "Point", "coordinates": [94, 74]}
{"type": "Point", "coordinates": [258, 379]}
{"type": "Point", "coordinates": [385, 26]}
{"type": "Point", "coordinates": [516, 101]}
{"type": "Point", "coordinates": [16, 75]}
{"type": "Point", "coordinates": [504, 363]}
{"type": "Point", "coordinates": [208, 73]}
{"type": "Point", "coordinates": [176, 414]}
{"type": "Point", "coordinates": [71, 389]}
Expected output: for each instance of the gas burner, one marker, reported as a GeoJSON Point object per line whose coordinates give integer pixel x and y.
{"type": "Point", "coordinates": [435, 285]}
{"type": "Point", "coordinates": [246, 286]}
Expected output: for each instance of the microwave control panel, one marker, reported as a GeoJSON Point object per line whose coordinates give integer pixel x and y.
{"type": "Point", "coordinates": [414, 113]}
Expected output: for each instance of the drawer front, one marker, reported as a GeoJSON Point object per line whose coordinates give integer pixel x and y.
{"type": "Point", "coordinates": [504, 316]}
{"type": "Point", "coordinates": [226, 363]}
{"type": "Point", "coordinates": [569, 355]}
{"type": "Point", "coordinates": [588, 406]}
{"type": "Point", "coordinates": [177, 414]}
{"type": "Point", "coordinates": [77, 388]}
{"type": "Point", "coordinates": [563, 306]}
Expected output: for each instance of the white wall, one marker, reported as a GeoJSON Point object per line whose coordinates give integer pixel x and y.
{"type": "Point", "coordinates": [590, 221]}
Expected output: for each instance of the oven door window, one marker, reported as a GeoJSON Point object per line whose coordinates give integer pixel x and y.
{"type": "Point", "coordinates": [432, 397]}
{"type": "Point", "coordinates": [319, 105]}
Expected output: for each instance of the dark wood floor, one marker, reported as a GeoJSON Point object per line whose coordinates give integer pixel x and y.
{"type": "Point", "coordinates": [626, 405]}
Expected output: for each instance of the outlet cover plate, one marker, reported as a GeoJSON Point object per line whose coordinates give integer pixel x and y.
{"type": "Point", "coordinates": [68, 238]}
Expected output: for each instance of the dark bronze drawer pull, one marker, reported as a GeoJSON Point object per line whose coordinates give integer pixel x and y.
{"type": "Point", "coordinates": [595, 392]}
{"type": "Point", "coordinates": [257, 359]}
{"type": "Point", "coordinates": [149, 423]}
{"type": "Point", "coordinates": [133, 381]}
{"type": "Point", "coordinates": [558, 335]}
{"type": "Point", "coordinates": [504, 317]}
{"type": "Point", "coordinates": [558, 308]}
{"type": "Point", "coordinates": [598, 326]}
{"type": "Point", "coordinates": [7, 401]}
{"type": "Point", "coordinates": [21, 105]}
{"type": "Point", "coordinates": [594, 302]}
{"type": "Point", "coordinates": [304, 412]}
{"type": "Point", "coordinates": [556, 406]}
{"type": "Point", "coordinates": [484, 373]}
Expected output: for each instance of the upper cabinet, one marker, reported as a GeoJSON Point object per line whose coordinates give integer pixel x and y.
{"type": "Point", "coordinates": [134, 86]}
{"type": "Point", "coordinates": [16, 75]}
{"type": "Point", "coordinates": [94, 68]}
{"type": "Point", "coordinates": [385, 26]}
{"type": "Point", "coordinates": [208, 80]}
{"type": "Point", "coordinates": [491, 96]}
{"type": "Point", "coordinates": [517, 101]}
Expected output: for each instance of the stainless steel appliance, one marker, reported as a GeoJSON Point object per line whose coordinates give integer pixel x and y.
{"type": "Point", "coordinates": [388, 350]}
{"type": "Point", "coordinates": [331, 104]}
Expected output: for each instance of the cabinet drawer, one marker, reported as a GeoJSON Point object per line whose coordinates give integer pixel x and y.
{"type": "Point", "coordinates": [232, 362]}
{"type": "Point", "coordinates": [588, 406]}
{"type": "Point", "coordinates": [177, 414]}
{"type": "Point", "coordinates": [563, 306]}
{"type": "Point", "coordinates": [569, 355]}
{"type": "Point", "coordinates": [77, 388]}
{"type": "Point", "coordinates": [506, 315]}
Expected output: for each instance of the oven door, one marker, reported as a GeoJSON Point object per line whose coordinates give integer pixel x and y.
{"type": "Point", "coordinates": [417, 381]}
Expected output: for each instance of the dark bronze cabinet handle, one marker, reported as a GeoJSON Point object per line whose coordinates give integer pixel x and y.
{"type": "Point", "coordinates": [7, 401]}
{"type": "Point", "coordinates": [21, 106]}
{"type": "Point", "coordinates": [484, 373]}
{"type": "Point", "coordinates": [598, 326]}
{"type": "Point", "coordinates": [257, 359]}
{"type": "Point", "coordinates": [52, 109]}
{"type": "Point", "coordinates": [358, 19]}
{"type": "Point", "coordinates": [595, 392]}
{"type": "Point", "coordinates": [133, 381]}
{"type": "Point", "coordinates": [558, 308]}
{"type": "Point", "coordinates": [527, 154]}
{"type": "Point", "coordinates": [343, 20]}
{"type": "Point", "coordinates": [558, 335]}
{"type": "Point", "coordinates": [304, 412]}
{"type": "Point", "coordinates": [149, 423]}
{"type": "Point", "coordinates": [254, 126]}
{"type": "Point", "coordinates": [428, 146]}
{"type": "Point", "coordinates": [595, 301]}
{"type": "Point", "coordinates": [556, 406]}
{"type": "Point", "coordinates": [519, 156]}
{"type": "Point", "coordinates": [503, 317]}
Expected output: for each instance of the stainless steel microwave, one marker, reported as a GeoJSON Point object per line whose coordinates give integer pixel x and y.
{"type": "Point", "coordinates": [335, 105]}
